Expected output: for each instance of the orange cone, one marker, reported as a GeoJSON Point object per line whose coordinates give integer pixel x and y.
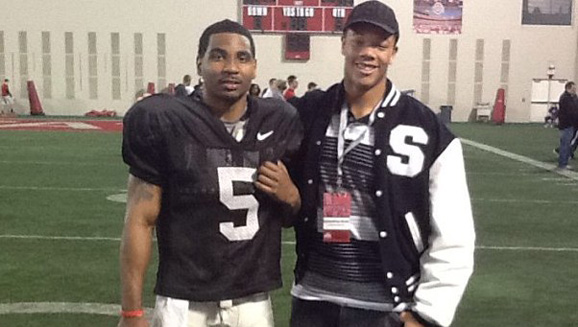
{"type": "Point", "coordinates": [499, 113]}
{"type": "Point", "coordinates": [35, 105]}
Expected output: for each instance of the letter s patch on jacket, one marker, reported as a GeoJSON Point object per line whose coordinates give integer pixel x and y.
{"type": "Point", "coordinates": [402, 140]}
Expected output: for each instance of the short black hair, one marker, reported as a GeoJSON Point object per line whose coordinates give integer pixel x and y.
{"type": "Point", "coordinates": [224, 26]}
{"type": "Point", "coordinates": [291, 78]}
{"type": "Point", "coordinates": [569, 85]}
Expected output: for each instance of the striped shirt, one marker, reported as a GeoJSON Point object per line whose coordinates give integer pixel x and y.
{"type": "Point", "coordinates": [348, 273]}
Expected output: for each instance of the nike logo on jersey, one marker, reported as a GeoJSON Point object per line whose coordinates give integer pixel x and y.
{"type": "Point", "coordinates": [262, 137]}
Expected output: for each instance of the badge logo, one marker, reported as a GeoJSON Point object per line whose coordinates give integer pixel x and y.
{"type": "Point", "coordinates": [262, 137]}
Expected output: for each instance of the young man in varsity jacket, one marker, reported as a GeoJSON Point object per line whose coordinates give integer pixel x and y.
{"type": "Point", "coordinates": [385, 235]}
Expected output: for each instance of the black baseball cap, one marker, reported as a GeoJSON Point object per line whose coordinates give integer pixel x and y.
{"type": "Point", "coordinates": [375, 13]}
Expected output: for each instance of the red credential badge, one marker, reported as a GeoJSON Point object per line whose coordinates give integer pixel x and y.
{"type": "Point", "coordinates": [336, 214]}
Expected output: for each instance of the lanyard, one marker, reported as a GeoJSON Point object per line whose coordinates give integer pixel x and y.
{"type": "Point", "coordinates": [341, 150]}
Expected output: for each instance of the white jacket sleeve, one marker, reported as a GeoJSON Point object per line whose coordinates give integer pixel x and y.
{"type": "Point", "coordinates": [447, 264]}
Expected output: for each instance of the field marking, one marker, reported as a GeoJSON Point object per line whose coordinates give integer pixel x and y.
{"type": "Point", "coordinates": [121, 197]}
{"type": "Point", "coordinates": [532, 162]}
{"type": "Point", "coordinates": [63, 307]}
{"type": "Point", "coordinates": [512, 174]}
{"type": "Point", "coordinates": [60, 238]}
{"type": "Point", "coordinates": [525, 201]}
{"type": "Point", "coordinates": [555, 179]}
{"type": "Point", "coordinates": [117, 239]}
{"type": "Point", "coordinates": [525, 248]}
{"type": "Point", "coordinates": [55, 163]}
{"type": "Point", "coordinates": [62, 125]}
{"type": "Point", "coordinates": [53, 188]}
{"type": "Point", "coordinates": [54, 307]}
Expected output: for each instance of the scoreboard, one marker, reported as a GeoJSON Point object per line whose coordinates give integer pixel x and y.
{"type": "Point", "coordinates": [296, 16]}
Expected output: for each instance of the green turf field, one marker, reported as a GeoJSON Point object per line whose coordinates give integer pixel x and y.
{"type": "Point", "coordinates": [59, 232]}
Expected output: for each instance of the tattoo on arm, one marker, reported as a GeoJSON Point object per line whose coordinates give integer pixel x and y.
{"type": "Point", "coordinates": [140, 191]}
{"type": "Point", "coordinates": [143, 191]}
{"type": "Point", "coordinates": [143, 200]}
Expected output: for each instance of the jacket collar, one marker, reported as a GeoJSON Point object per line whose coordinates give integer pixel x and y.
{"type": "Point", "coordinates": [390, 98]}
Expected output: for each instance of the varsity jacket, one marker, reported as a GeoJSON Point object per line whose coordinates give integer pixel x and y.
{"type": "Point", "coordinates": [425, 224]}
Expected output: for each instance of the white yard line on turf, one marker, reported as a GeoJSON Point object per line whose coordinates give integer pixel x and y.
{"type": "Point", "coordinates": [524, 201]}
{"type": "Point", "coordinates": [525, 248]}
{"type": "Point", "coordinates": [56, 163]}
{"type": "Point", "coordinates": [53, 307]}
{"type": "Point", "coordinates": [61, 238]}
{"type": "Point", "coordinates": [63, 307]}
{"type": "Point", "coordinates": [121, 197]}
{"type": "Point", "coordinates": [117, 239]}
{"type": "Point", "coordinates": [513, 173]}
{"type": "Point", "coordinates": [53, 188]}
{"type": "Point", "coordinates": [529, 161]}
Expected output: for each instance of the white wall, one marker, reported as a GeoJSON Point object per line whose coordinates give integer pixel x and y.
{"type": "Point", "coordinates": [533, 48]}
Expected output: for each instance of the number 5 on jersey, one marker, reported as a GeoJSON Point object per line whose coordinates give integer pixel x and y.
{"type": "Point", "coordinates": [228, 175]}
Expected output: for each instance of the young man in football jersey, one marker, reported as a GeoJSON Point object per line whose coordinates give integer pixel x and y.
{"type": "Point", "coordinates": [207, 173]}
{"type": "Point", "coordinates": [385, 235]}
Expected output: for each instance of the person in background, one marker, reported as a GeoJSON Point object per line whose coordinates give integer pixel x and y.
{"type": "Point", "coordinates": [184, 89]}
{"type": "Point", "coordinates": [551, 119]}
{"type": "Point", "coordinates": [567, 123]}
{"type": "Point", "coordinates": [311, 86]}
{"type": "Point", "coordinates": [277, 91]}
{"type": "Point", "coordinates": [199, 86]}
{"type": "Point", "coordinates": [268, 91]}
{"type": "Point", "coordinates": [208, 175]}
{"type": "Point", "coordinates": [385, 235]}
{"type": "Point", "coordinates": [7, 99]}
{"type": "Point", "coordinates": [255, 90]}
{"type": "Point", "coordinates": [292, 85]}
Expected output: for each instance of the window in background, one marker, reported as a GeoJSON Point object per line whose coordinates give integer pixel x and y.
{"type": "Point", "coordinates": [547, 12]}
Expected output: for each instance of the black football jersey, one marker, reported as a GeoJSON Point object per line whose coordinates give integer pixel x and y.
{"type": "Point", "coordinates": [218, 236]}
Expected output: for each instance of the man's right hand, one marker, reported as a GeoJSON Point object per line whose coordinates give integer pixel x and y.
{"type": "Point", "coordinates": [274, 180]}
{"type": "Point", "coordinates": [409, 320]}
{"type": "Point", "coordinates": [133, 322]}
